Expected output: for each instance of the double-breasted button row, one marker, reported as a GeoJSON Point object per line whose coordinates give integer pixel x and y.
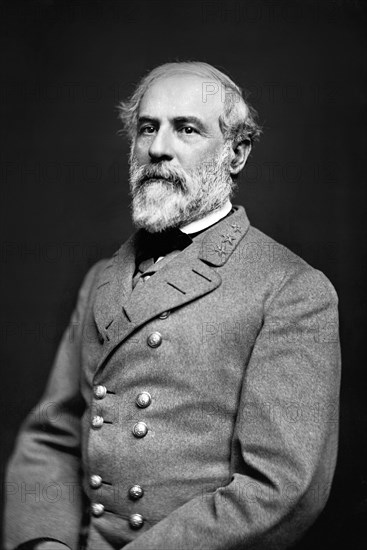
{"type": "Point", "coordinates": [140, 429]}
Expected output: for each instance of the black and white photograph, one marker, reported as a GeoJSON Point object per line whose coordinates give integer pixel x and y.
{"type": "Point", "coordinates": [183, 266]}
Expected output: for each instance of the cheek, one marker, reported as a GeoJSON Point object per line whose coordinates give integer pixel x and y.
{"type": "Point", "coordinates": [140, 150]}
{"type": "Point", "coordinates": [196, 159]}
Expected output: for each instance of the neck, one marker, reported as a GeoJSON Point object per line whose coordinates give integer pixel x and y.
{"type": "Point", "coordinates": [207, 220]}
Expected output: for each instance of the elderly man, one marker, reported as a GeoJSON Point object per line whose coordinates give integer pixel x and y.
{"type": "Point", "coordinates": [195, 394]}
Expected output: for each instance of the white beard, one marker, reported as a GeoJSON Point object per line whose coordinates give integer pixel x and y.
{"type": "Point", "coordinates": [160, 204]}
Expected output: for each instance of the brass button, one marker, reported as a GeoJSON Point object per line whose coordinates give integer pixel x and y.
{"type": "Point", "coordinates": [140, 429]}
{"type": "Point", "coordinates": [143, 399]}
{"type": "Point", "coordinates": [97, 421]}
{"type": "Point", "coordinates": [100, 392]}
{"type": "Point", "coordinates": [136, 521]}
{"type": "Point", "coordinates": [136, 492]}
{"type": "Point", "coordinates": [164, 315]}
{"type": "Point", "coordinates": [97, 509]}
{"type": "Point", "coordinates": [95, 481]}
{"type": "Point", "coordinates": [154, 339]}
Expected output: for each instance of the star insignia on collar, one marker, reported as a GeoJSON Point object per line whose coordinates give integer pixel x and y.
{"type": "Point", "coordinates": [220, 249]}
{"type": "Point", "coordinates": [236, 227]}
{"type": "Point", "coordinates": [228, 238]}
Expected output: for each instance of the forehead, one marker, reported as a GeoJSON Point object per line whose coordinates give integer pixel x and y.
{"type": "Point", "coordinates": [183, 95]}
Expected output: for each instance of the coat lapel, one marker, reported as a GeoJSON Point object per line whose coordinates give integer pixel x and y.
{"type": "Point", "coordinates": [181, 280]}
{"type": "Point", "coordinates": [191, 274]}
{"type": "Point", "coordinates": [114, 287]}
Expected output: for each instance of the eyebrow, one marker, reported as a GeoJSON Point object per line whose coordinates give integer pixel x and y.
{"type": "Point", "coordinates": [177, 120]}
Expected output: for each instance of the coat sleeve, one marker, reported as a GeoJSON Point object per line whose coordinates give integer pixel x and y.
{"type": "Point", "coordinates": [286, 432]}
{"type": "Point", "coordinates": [43, 496]}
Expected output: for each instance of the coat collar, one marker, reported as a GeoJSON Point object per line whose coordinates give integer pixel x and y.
{"type": "Point", "coordinates": [118, 311]}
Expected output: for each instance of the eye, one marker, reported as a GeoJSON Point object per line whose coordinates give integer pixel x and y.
{"type": "Point", "coordinates": [188, 130]}
{"type": "Point", "coordinates": [146, 130]}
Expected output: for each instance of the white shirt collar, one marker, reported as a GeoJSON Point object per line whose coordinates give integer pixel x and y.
{"type": "Point", "coordinates": [209, 219]}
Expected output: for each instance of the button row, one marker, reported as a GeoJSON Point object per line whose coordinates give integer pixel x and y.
{"type": "Point", "coordinates": [140, 429]}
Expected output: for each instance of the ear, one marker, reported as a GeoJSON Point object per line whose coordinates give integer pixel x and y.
{"type": "Point", "coordinates": [240, 153]}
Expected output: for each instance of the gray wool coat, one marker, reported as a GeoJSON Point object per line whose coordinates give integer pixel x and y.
{"type": "Point", "coordinates": [235, 339]}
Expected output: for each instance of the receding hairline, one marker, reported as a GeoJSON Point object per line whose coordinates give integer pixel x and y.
{"type": "Point", "coordinates": [196, 84]}
{"type": "Point", "coordinates": [236, 108]}
{"type": "Point", "coordinates": [199, 69]}
{"type": "Point", "coordinates": [194, 68]}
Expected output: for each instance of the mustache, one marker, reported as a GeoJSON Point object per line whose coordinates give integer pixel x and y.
{"type": "Point", "coordinates": [170, 174]}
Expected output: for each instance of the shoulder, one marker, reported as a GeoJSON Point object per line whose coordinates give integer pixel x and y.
{"type": "Point", "coordinates": [282, 271]}
{"type": "Point", "coordinates": [91, 279]}
{"type": "Point", "coordinates": [94, 271]}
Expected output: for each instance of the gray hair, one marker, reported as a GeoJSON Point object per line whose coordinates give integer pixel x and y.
{"type": "Point", "coordinates": [238, 120]}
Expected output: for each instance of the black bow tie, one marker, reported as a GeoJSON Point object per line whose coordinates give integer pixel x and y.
{"type": "Point", "coordinates": [154, 245]}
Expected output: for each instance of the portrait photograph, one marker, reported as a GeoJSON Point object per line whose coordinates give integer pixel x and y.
{"type": "Point", "coordinates": [183, 267]}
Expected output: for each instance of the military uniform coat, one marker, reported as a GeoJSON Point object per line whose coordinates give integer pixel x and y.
{"type": "Point", "coordinates": [198, 411]}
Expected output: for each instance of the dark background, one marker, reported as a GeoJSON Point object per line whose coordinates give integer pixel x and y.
{"type": "Point", "coordinates": [64, 188]}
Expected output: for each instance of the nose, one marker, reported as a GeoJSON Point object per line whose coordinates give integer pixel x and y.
{"type": "Point", "coordinates": [161, 146]}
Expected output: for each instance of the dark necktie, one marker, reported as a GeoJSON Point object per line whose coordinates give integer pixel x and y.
{"type": "Point", "coordinates": [154, 245]}
{"type": "Point", "coordinates": [151, 246]}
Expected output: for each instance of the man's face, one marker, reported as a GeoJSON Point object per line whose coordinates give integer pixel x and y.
{"type": "Point", "coordinates": [179, 162]}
